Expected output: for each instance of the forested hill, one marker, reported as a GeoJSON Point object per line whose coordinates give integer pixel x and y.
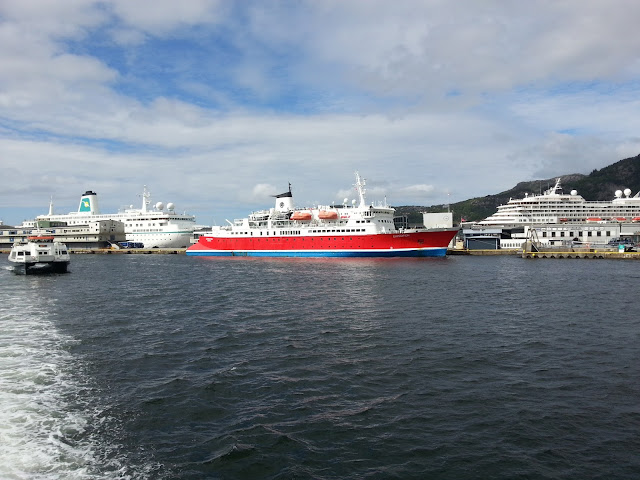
{"type": "Point", "coordinates": [598, 185]}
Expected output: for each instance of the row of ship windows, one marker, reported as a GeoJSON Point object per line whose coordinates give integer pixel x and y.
{"type": "Point", "coordinates": [585, 211]}
{"type": "Point", "coordinates": [297, 232]}
{"type": "Point", "coordinates": [148, 225]}
{"type": "Point", "coordinates": [546, 219]}
{"type": "Point", "coordinates": [38, 252]}
{"type": "Point", "coordinates": [580, 233]}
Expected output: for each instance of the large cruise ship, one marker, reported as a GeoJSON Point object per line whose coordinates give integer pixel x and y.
{"type": "Point", "coordinates": [554, 206]}
{"type": "Point", "coordinates": [356, 230]}
{"type": "Point", "coordinates": [155, 226]}
{"type": "Point", "coordinates": [557, 218]}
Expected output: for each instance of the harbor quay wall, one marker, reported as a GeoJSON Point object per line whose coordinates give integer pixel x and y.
{"type": "Point", "coordinates": [556, 254]}
{"type": "Point", "coordinates": [121, 251]}
{"type": "Point", "coordinates": [594, 254]}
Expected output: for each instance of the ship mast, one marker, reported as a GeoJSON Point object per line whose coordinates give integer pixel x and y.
{"type": "Point", "coordinates": [360, 184]}
{"type": "Point", "coordinates": [145, 199]}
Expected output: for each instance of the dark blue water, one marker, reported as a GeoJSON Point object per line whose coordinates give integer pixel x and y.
{"type": "Point", "coordinates": [174, 367]}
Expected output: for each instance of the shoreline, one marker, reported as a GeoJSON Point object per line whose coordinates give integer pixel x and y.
{"type": "Point", "coordinates": [452, 251]}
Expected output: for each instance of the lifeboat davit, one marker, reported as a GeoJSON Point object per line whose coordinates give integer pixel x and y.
{"type": "Point", "coordinates": [594, 219]}
{"type": "Point", "coordinates": [301, 216]}
{"type": "Point", "coordinates": [327, 215]}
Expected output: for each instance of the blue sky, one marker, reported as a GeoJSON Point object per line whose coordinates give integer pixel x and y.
{"type": "Point", "coordinates": [215, 105]}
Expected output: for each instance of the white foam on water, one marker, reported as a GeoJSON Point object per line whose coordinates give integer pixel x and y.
{"type": "Point", "coordinates": [42, 436]}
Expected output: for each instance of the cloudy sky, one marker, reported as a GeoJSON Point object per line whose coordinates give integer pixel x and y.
{"type": "Point", "coordinates": [215, 105]}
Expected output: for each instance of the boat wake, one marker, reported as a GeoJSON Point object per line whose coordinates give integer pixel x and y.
{"type": "Point", "coordinates": [52, 423]}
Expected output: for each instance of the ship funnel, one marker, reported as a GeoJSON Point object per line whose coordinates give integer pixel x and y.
{"type": "Point", "coordinates": [284, 201]}
{"type": "Point", "coordinates": [89, 203]}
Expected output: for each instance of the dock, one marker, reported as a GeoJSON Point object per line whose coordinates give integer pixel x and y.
{"type": "Point", "coordinates": [532, 248]}
{"type": "Point", "coordinates": [581, 254]}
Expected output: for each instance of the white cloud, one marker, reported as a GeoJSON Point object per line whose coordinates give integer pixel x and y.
{"type": "Point", "coordinates": [219, 105]}
{"type": "Point", "coordinates": [162, 16]}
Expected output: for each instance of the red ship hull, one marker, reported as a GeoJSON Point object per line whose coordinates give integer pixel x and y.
{"type": "Point", "coordinates": [432, 243]}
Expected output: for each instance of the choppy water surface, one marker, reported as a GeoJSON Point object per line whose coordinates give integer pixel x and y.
{"type": "Point", "coordinates": [174, 367]}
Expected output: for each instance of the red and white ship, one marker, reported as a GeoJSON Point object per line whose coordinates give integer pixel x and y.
{"type": "Point", "coordinates": [323, 231]}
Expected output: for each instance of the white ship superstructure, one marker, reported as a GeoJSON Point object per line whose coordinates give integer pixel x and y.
{"type": "Point", "coordinates": [554, 206]}
{"type": "Point", "coordinates": [156, 226]}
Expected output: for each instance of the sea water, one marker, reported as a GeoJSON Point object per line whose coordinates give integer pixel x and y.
{"type": "Point", "coordinates": [175, 367]}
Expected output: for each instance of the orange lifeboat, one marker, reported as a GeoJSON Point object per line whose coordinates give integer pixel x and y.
{"type": "Point", "coordinates": [40, 238]}
{"type": "Point", "coordinates": [564, 219]}
{"type": "Point", "coordinates": [301, 216]}
{"type": "Point", "coordinates": [636, 219]}
{"type": "Point", "coordinates": [327, 215]}
{"type": "Point", "coordinates": [594, 219]}
{"type": "Point", "coordinates": [619, 219]}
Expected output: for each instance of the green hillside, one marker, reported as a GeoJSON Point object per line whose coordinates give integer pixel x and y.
{"type": "Point", "coordinates": [598, 185]}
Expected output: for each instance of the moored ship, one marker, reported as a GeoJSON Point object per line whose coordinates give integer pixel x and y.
{"type": "Point", "coordinates": [324, 231]}
{"type": "Point", "coordinates": [155, 226]}
{"type": "Point", "coordinates": [558, 218]}
{"type": "Point", "coordinates": [555, 206]}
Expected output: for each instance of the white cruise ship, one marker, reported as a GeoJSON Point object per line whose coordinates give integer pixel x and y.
{"type": "Point", "coordinates": [557, 219]}
{"type": "Point", "coordinates": [152, 225]}
{"type": "Point", "coordinates": [554, 206]}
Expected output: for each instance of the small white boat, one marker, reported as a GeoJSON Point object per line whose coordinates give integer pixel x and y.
{"type": "Point", "coordinates": [40, 254]}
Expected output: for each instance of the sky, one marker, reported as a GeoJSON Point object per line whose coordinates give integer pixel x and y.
{"type": "Point", "coordinates": [216, 105]}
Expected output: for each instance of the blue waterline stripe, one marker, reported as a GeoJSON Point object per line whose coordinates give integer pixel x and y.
{"type": "Point", "coordinates": [431, 252]}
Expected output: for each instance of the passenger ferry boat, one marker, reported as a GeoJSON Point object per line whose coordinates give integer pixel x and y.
{"type": "Point", "coordinates": [152, 225]}
{"type": "Point", "coordinates": [554, 206]}
{"type": "Point", "coordinates": [322, 231]}
{"type": "Point", "coordinates": [40, 254]}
